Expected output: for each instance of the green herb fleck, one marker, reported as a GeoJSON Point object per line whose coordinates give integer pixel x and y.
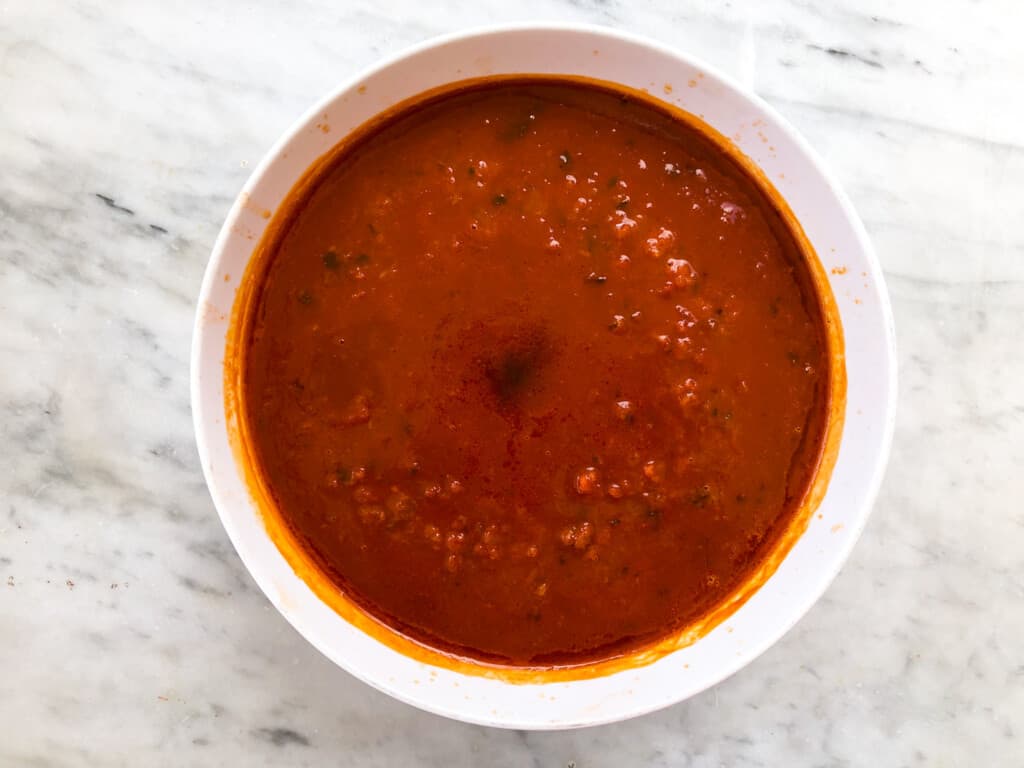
{"type": "Point", "coordinates": [613, 181]}
{"type": "Point", "coordinates": [305, 298]}
{"type": "Point", "coordinates": [499, 199]}
{"type": "Point", "coordinates": [330, 259]}
{"type": "Point", "coordinates": [361, 259]}
{"type": "Point", "coordinates": [471, 171]}
{"type": "Point", "coordinates": [701, 496]}
{"type": "Point", "coordinates": [516, 130]}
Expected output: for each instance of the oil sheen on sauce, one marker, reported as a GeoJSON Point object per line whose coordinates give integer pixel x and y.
{"type": "Point", "coordinates": [536, 373]}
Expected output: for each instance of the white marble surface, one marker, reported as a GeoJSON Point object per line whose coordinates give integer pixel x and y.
{"type": "Point", "coordinates": [132, 635]}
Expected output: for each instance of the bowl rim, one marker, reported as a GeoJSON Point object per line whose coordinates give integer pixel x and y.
{"type": "Point", "coordinates": [822, 578]}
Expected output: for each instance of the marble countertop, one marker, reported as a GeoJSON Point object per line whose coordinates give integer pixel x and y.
{"type": "Point", "coordinates": [132, 635]}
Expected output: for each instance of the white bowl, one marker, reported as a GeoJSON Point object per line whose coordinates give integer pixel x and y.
{"type": "Point", "coordinates": [829, 223]}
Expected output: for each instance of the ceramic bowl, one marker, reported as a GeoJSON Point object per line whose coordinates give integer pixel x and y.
{"type": "Point", "coordinates": [828, 221]}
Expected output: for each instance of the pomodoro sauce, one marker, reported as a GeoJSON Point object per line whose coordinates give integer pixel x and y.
{"type": "Point", "coordinates": [536, 373]}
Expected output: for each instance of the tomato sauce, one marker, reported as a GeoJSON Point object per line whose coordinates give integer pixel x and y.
{"type": "Point", "coordinates": [536, 373]}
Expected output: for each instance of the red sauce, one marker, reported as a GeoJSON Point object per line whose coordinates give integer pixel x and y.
{"type": "Point", "coordinates": [535, 373]}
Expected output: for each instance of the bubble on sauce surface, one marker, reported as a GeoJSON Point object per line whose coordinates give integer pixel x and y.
{"type": "Point", "coordinates": [732, 213]}
{"type": "Point", "coordinates": [625, 410]}
{"type": "Point", "coordinates": [654, 470]}
{"type": "Point", "coordinates": [587, 481]}
{"type": "Point", "coordinates": [623, 224]}
{"type": "Point", "coordinates": [681, 271]}
{"type": "Point", "coordinates": [577, 536]}
{"type": "Point", "coordinates": [661, 243]}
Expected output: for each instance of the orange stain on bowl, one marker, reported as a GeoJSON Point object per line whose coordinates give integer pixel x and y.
{"type": "Point", "coordinates": [692, 83]}
{"type": "Point", "coordinates": [838, 270]}
{"type": "Point", "coordinates": [667, 88]}
{"type": "Point", "coordinates": [211, 314]}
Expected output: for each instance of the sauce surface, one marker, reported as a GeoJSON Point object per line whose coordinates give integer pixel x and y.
{"type": "Point", "coordinates": [536, 373]}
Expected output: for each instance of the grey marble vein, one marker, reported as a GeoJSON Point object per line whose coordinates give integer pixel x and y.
{"type": "Point", "coordinates": [132, 633]}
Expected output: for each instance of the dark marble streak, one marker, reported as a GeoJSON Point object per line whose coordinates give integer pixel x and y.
{"type": "Point", "coordinates": [282, 737]}
{"type": "Point", "coordinates": [842, 53]}
{"type": "Point", "coordinates": [111, 203]}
